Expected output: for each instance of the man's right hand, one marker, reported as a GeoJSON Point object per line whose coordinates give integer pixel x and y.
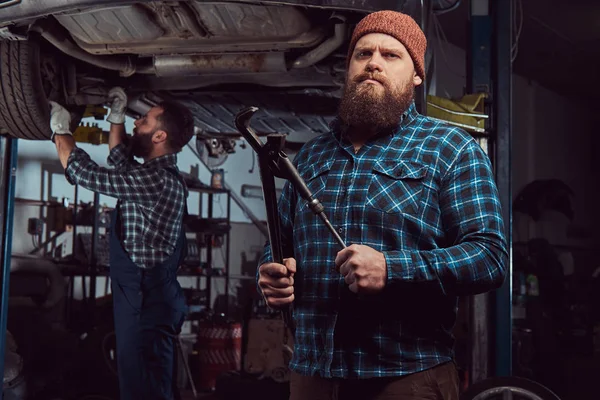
{"type": "Point", "coordinates": [277, 282]}
{"type": "Point", "coordinates": [118, 105]}
{"type": "Point", "coordinates": [60, 120]}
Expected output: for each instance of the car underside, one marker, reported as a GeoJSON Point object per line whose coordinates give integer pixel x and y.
{"type": "Point", "coordinates": [287, 57]}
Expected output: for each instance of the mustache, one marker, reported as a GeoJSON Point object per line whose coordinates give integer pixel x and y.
{"type": "Point", "coordinates": [368, 75]}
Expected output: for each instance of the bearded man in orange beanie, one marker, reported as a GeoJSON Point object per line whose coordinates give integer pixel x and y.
{"type": "Point", "coordinates": [417, 202]}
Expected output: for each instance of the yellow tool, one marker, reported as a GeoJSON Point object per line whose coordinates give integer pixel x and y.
{"type": "Point", "coordinates": [86, 133]}
{"type": "Point", "coordinates": [98, 112]}
{"type": "Point", "coordinates": [90, 134]}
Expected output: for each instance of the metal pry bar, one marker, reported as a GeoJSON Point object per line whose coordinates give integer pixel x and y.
{"type": "Point", "coordinates": [281, 166]}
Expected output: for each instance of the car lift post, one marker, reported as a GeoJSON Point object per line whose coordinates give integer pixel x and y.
{"type": "Point", "coordinates": [479, 81]}
{"type": "Point", "coordinates": [8, 169]}
{"type": "Point", "coordinates": [502, 121]}
{"type": "Point", "coordinates": [489, 70]}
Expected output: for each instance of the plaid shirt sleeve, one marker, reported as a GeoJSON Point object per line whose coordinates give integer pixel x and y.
{"type": "Point", "coordinates": [471, 214]}
{"type": "Point", "coordinates": [119, 156]}
{"type": "Point", "coordinates": [140, 185]}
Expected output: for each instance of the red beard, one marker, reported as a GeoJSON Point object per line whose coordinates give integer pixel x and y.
{"type": "Point", "coordinates": [374, 108]}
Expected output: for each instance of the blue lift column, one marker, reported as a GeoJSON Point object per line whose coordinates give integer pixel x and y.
{"type": "Point", "coordinates": [489, 70]}
{"type": "Point", "coordinates": [502, 129]}
{"type": "Point", "coordinates": [8, 169]}
{"type": "Point", "coordinates": [479, 50]}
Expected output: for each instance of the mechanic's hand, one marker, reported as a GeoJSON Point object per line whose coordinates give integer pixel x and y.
{"type": "Point", "coordinates": [60, 120]}
{"type": "Point", "coordinates": [277, 282]}
{"type": "Point", "coordinates": [363, 268]}
{"type": "Point", "coordinates": [118, 105]}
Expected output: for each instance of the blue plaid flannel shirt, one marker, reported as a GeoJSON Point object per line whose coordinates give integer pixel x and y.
{"type": "Point", "coordinates": [426, 198]}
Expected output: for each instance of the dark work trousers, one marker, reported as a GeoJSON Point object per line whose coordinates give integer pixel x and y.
{"type": "Point", "coordinates": [149, 309]}
{"type": "Point", "coordinates": [438, 383]}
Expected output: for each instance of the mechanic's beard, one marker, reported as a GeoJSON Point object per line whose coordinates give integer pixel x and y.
{"type": "Point", "coordinates": [372, 110]}
{"type": "Point", "coordinates": [141, 144]}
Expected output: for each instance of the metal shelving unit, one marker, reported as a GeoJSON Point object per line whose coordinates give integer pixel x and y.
{"type": "Point", "coordinates": [208, 235]}
{"type": "Point", "coordinates": [201, 269]}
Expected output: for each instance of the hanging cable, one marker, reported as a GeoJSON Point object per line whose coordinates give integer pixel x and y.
{"type": "Point", "coordinates": [517, 24]}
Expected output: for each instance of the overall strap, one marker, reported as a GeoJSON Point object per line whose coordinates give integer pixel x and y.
{"type": "Point", "coordinates": [184, 249]}
{"type": "Point", "coordinates": [176, 174]}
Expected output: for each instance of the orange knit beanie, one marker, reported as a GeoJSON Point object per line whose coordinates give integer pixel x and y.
{"type": "Point", "coordinates": [398, 25]}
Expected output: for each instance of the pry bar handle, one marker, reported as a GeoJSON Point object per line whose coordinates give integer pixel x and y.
{"type": "Point", "coordinates": [281, 166]}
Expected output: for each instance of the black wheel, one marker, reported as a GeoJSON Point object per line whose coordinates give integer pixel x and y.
{"type": "Point", "coordinates": [95, 375]}
{"type": "Point", "coordinates": [16, 389]}
{"type": "Point", "coordinates": [512, 388]}
{"type": "Point", "coordinates": [28, 79]}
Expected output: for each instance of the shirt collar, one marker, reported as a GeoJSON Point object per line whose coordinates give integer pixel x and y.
{"type": "Point", "coordinates": [167, 160]}
{"type": "Point", "coordinates": [409, 115]}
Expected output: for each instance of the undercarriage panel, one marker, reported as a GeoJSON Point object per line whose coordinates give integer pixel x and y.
{"type": "Point", "coordinates": [190, 27]}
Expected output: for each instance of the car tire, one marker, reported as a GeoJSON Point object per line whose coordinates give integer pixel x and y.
{"type": "Point", "coordinates": [521, 388]}
{"type": "Point", "coordinates": [24, 108]}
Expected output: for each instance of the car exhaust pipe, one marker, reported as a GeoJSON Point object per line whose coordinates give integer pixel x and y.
{"type": "Point", "coordinates": [186, 65]}
{"type": "Point", "coordinates": [164, 66]}
{"type": "Point", "coordinates": [326, 48]}
{"type": "Point", "coordinates": [193, 64]}
{"type": "Point", "coordinates": [124, 64]}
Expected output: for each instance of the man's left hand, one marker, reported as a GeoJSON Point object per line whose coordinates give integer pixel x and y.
{"type": "Point", "coordinates": [363, 268]}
